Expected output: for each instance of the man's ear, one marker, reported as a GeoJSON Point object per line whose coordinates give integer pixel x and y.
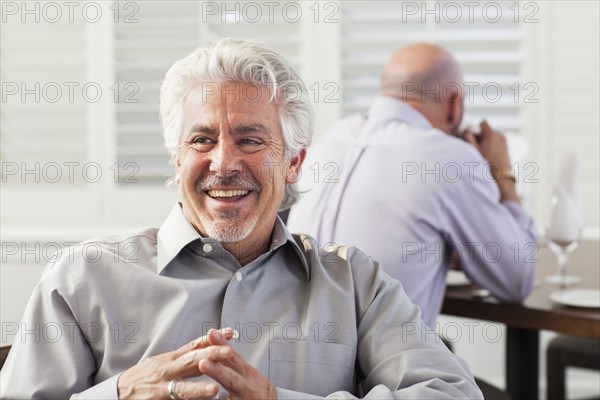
{"type": "Point", "coordinates": [293, 170]}
{"type": "Point", "coordinates": [455, 109]}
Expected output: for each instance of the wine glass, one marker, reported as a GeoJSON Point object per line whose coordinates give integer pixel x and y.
{"type": "Point", "coordinates": [562, 250]}
{"type": "Point", "coordinates": [564, 232]}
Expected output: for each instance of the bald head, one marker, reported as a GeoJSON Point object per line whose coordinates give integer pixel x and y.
{"type": "Point", "coordinates": [419, 66]}
{"type": "Point", "coordinates": [428, 78]}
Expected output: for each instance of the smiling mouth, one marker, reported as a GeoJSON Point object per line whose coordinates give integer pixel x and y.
{"type": "Point", "coordinates": [227, 194]}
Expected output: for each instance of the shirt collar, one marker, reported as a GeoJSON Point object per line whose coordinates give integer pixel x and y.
{"type": "Point", "coordinates": [177, 232]}
{"type": "Point", "coordinates": [391, 108]}
{"type": "Point", "coordinates": [174, 234]}
{"type": "Point", "coordinates": [281, 236]}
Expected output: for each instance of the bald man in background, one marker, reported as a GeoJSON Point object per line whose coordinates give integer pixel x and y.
{"type": "Point", "coordinates": [404, 184]}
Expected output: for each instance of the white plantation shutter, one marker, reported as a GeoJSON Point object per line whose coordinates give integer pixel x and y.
{"type": "Point", "coordinates": [489, 52]}
{"type": "Point", "coordinates": [45, 135]}
{"type": "Point", "coordinates": [371, 31]}
{"type": "Point", "coordinates": [42, 123]}
{"type": "Point", "coordinates": [282, 35]}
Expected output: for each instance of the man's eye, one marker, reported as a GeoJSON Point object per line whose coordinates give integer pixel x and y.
{"type": "Point", "coordinates": [202, 140]}
{"type": "Point", "coordinates": [250, 142]}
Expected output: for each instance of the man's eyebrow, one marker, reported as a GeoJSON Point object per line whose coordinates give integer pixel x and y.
{"type": "Point", "coordinates": [240, 129]}
{"type": "Point", "coordinates": [203, 129]}
{"type": "Point", "coordinates": [251, 128]}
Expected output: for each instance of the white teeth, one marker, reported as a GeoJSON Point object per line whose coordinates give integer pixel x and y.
{"type": "Point", "coordinates": [227, 193]}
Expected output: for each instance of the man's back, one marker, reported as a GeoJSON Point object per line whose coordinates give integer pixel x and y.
{"type": "Point", "coordinates": [405, 192]}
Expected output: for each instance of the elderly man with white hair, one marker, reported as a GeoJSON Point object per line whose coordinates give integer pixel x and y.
{"type": "Point", "coordinates": [222, 300]}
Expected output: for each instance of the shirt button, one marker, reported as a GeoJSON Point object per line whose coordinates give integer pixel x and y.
{"type": "Point", "coordinates": [207, 248]}
{"type": "Point", "coordinates": [238, 276]}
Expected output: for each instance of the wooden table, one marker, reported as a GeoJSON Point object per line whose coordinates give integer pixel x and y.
{"type": "Point", "coordinates": [524, 321]}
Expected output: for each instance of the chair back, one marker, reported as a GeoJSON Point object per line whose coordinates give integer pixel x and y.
{"type": "Point", "coordinates": [3, 354]}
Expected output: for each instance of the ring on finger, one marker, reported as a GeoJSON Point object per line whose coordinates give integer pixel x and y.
{"type": "Point", "coordinates": [171, 390]}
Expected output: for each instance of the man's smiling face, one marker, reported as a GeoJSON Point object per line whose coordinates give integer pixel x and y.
{"type": "Point", "coordinates": [231, 169]}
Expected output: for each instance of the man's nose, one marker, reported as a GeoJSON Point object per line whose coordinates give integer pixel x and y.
{"type": "Point", "coordinates": [225, 158]}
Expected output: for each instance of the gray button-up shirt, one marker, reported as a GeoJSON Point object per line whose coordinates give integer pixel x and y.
{"type": "Point", "coordinates": [315, 322]}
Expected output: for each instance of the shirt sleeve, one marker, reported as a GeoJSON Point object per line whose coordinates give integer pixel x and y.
{"type": "Point", "coordinates": [496, 241]}
{"type": "Point", "coordinates": [398, 357]}
{"type": "Point", "coordinates": [50, 357]}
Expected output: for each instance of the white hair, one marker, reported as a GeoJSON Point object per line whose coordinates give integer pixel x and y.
{"type": "Point", "coordinates": [244, 61]}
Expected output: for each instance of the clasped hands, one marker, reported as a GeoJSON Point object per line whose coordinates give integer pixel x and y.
{"type": "Point", "coordinates": [208, 355]}
{"type": "Point", "coordinates": [494, 148]}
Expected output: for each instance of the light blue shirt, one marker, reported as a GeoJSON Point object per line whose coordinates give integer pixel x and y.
{"type": "Point", "coordinates": [404, 193]}
{"type": "Point", "coordinates": [315, 322]}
